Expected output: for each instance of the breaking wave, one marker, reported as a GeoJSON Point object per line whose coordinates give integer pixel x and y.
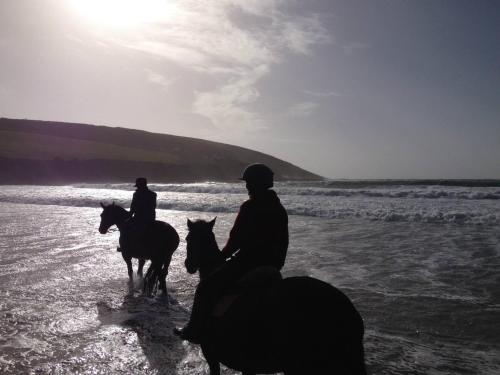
{"type": "Point", "coordinates": [395, 204]}
{"type": "Point", "coordinates": [397, 191]}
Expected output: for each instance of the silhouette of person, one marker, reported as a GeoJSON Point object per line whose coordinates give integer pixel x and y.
{"type": "Point", "coordinates": [259, 237]}
{"type": "Point", "coordinates": [142, 209]}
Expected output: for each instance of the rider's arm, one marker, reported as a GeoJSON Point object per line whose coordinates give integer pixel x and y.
{"type": "Point", "coordinates": [133, 205]}
{"type": "Point", "coordinates": [235, 236]}
{"type": "Point", "coordinates": [281, 242]}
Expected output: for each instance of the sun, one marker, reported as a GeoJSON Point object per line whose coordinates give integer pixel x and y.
{"type": "Point", "coordinates": [117, 14]}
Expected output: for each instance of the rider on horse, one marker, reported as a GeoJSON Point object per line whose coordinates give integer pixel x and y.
{"type": "Point", "coordinates": [142, 208]}
{"type": "Point", "coordinates": [259, 237]}
{"type": "Point", "coordinates": [142, 212]}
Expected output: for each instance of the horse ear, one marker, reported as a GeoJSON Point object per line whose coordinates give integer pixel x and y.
{"type": "Point", "coordinates": [102, 205]}
{"type": "Point", "coordinates": [190, 224]}
{"type": "Point", "coordinates": [212, 223]}
{"type": "Point", "coordinates": [113, 203]}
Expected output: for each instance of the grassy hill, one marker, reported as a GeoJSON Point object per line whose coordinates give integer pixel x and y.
{"type": "Point", "coordinates": [41, 152]}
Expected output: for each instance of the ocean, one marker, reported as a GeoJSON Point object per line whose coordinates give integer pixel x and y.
{"type": "Point", "coordinates": [419, 259]}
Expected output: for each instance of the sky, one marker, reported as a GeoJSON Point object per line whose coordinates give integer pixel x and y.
{"type": "Point", "coordinates": [345, 89]}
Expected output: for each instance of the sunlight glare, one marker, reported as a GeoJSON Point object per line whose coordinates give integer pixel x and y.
{"type": "Point", "coordinates": [124, 13]}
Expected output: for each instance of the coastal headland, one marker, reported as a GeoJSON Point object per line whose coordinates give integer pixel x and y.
{"type": "Point", "coordinates": [44, 152]}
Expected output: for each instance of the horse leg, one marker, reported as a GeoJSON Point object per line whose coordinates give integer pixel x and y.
{"type": "Point", "coordinates": [211, 358]}
{"type": "Point", "coordinates": [163, 274]}
{"type": "Point", "coordinates": [214, 367]}
{"type": "Point", "coordinates": [128, 260]}
{"type": "Point", "coordinates": [140, 267]}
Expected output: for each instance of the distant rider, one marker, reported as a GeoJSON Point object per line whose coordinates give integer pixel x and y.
{"type": "Point", "coordinates": [259, 237]}
{"type": "Point", "coordinates": [143, 206]}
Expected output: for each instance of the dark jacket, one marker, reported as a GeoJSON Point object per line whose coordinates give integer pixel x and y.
{"type": "Point", "coordinates": [260, 232]}
{"type": "Point", "coordinates": [143, 205]}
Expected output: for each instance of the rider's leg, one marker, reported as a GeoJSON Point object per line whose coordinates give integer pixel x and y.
{"type": "Point", "coordinates": [207, 292]}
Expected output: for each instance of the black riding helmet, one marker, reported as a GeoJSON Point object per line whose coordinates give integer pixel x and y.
{"type": "Point", "coordinates": [258, 174]}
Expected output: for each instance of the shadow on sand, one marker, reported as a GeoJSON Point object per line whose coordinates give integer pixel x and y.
{"type": "Point", "coordinates": [153, 320]}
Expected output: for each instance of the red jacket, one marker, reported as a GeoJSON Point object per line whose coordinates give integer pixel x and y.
{"type": "Point", "coordinates": [260, 232]}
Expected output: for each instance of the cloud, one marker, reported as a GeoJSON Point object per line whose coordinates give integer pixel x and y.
{"type": "Point", "coordinates": [225, 106]}
{"type": "Point", "coordinates": [300, 33]}
{"type": "Point", "coordinates": [302, 109]}
{"type": "Point", "coordinates": [159, 79]}
{"type": "Point", "coordinates": [257, 7]}
{"type": "Point", "coordinates": [203, 38]}
{"type": "Point", "coordinates": [236, 43]}
{"type": "Point", "coordinates": [321, 94]}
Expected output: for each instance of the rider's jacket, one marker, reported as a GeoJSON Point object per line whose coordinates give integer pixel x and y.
{"type": "Point", "coordinates": [260, 232]}
{"type": "Point", "coordinates": [143, 205]}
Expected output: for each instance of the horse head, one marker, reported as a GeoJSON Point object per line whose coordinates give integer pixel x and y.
{"type": "Point", "coordinates": [112, 214]}
{"type": "Point", "coordinates": [202, 251]}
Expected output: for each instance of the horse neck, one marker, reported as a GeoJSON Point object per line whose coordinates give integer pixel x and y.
{"type": "Point", "coordinates": [213, 261]}
{"type": "Point", "coordinates": [121, 218]}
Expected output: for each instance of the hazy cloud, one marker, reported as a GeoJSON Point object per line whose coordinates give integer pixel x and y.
{"type": "Point", "coordinates": [207, 38]}
{"type": "Point", "coordinates": [302, 109]}
{"type": "Point", "coordinates": [225, 106]}
{"type": "Point", "coordinates": [321, 94]}
{"type": "Point", "coordinates": [159, 79]}
{"type": "Point", "coordinates": [300, 33]}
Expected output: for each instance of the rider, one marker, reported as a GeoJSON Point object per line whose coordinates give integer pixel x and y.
{"type": "Point", "coordinates": [259, 237]}
{"type": "Point", "coordinates": [142, 208]}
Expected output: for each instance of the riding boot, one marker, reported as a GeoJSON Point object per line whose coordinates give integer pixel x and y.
{"type": "Point", "coordinates": [201, 306]}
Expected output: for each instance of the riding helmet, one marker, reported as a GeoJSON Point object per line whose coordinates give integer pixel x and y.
{"type": "Point", "coordinates": [258, 174]}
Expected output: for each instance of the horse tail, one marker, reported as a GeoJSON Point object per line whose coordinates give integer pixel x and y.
{"type": "Point", "coordinates": [151, 280]}
{"type": "Point", "coordinates": [166, 240]}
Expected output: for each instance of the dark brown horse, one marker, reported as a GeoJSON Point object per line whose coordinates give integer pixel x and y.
{"type": "Point", "coordinates": [158, 244]}
{"type": "Point", "coordinates": [296, 325]}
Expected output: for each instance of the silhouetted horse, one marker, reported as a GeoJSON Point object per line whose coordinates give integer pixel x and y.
{"type": "Point", "coordinates": [298, 325]}
{"type": "Point", "coordinates": [159, 243]}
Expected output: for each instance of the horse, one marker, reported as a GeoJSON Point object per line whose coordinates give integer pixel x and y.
{"type": "Point", "coordinates": [295, 325]}
{"type": "Point", "coordinates": [159, 243]}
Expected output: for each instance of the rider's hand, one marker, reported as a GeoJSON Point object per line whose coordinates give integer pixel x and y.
{"type": "Point", "coordinates": [226, 253]}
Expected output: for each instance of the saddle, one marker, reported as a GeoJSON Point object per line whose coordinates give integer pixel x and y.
{"type": "Point", "coordinates": [134, 240]}
{"type": "Point", "coordinates": [254, 281]}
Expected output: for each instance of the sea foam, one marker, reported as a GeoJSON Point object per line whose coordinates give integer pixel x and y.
{"type": "Point", "coordinates": [427, 204]}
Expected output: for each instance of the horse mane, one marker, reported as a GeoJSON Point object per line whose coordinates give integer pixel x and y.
{"type": "Point", "coordinates": [120, 207]}
{"type": "Point", "coordinates": [119, 210]}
